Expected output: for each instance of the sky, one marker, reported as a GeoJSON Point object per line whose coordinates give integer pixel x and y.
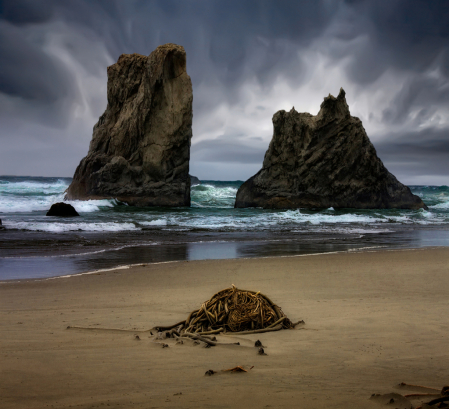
{"type": "Point", "coordinates": [247, 59]}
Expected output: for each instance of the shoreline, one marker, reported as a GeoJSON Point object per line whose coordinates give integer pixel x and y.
{"type": "Point", "coordinates": [373, 319]}
{"type": "Point", "coordinates": [129, 266]}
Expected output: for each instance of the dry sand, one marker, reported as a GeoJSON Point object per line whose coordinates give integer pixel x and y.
{"type": "Point", "coordinates": [372, 320]}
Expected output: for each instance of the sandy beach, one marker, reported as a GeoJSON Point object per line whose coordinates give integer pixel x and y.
{"type": "Point", "coordinates": [372, 320]}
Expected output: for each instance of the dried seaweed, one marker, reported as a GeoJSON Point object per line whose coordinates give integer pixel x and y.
{"type": "Point", "coordinates": [232, 310]}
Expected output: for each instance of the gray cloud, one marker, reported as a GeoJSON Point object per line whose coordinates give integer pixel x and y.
{"type": "Point", "coordinates": [228, 149]}
{"type": "Point", "coordinates": [26, 71]}
{"type": "Point", "coordinates": [404, 154]}
{"type": "Point", "coordinates": [246, 59]}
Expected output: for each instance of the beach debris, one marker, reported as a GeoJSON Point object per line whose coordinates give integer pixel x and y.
{"type": "Point", "coordinates": [238, 368]}
{"type": "Point", "coordinates": [137, 338]}
{"type": "Point", "coordinates": [164, 345]}
{"type": "Point", "coordinates": [444, 397]}
{"type": "Point", "coordinates": [261, 351]}
{"type": "Point", "coordinates": [231, 311]}
{"type": "Point", "coordinates": [235, 369]}
{"type": "Point", "coordinates": [441, 396]}
{"type": "Point", "coordinates": [395, 399]}
{"type": "Point", "coordinates": [258, 344]}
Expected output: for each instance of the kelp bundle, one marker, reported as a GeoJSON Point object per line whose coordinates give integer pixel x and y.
{"type": "Point", "coordinates": [234, 310]}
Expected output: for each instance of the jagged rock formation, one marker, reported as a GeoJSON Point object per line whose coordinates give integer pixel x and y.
{"type": "Point", "coordinates": [323, 161]}
{"type": "Point", "coordinates": [62, 209]}
{"type": "Point", "coordinates": [194, 181]}
{"type": "Point", "coordinates": [140, 148]}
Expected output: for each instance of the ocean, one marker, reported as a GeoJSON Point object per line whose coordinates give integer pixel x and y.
{"type": "Point", "coordinates": [110, 234]}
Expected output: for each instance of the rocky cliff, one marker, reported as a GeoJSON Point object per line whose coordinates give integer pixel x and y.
{"type": "Point", "coordinates": [140, 147]}
{"type": "Point", "coordinates": [323, 161]}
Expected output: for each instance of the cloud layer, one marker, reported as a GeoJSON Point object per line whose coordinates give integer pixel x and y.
{"type": "Point", "coordinates": [246, 60]}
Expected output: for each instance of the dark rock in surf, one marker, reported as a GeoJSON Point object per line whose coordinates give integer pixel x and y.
{"type": "Point", "coordinates": [140, 148]}
{"type": "Point", "coordinates": [194, 181]}
{"type": "Point", "coordinates": [323, 161]}
{"type": "Point", "coordinates": [62, 210]}
{"type": "Point", "coordinates": [1, 227]}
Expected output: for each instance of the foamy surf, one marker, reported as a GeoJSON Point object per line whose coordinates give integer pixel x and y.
{"type": "Point", "coordinates": [109, 233]}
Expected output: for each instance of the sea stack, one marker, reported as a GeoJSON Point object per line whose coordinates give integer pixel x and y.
{"type": "Point", "coordinates": [323, 161]}
{"type": "Point", "coordinates": [140, 148]}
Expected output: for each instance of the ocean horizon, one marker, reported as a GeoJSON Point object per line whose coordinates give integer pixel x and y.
{"type": "Point", "coordinates": [109, 233]}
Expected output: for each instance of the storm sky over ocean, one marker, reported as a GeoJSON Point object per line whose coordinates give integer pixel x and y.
{"type": "Point", "coordinates": [247, 60]}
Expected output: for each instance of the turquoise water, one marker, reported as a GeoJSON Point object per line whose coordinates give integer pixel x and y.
{"type": "Point", "coordinates": [110, 233]}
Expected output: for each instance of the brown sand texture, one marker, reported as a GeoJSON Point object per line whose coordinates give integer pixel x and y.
{"type": "Point", "coordinates": [372, 321]}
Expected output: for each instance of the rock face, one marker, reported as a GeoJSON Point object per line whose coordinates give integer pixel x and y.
{"type": "Point", "coordinates": [140, 148]}
{"type": "Point", "coordinates": [194, 181]}
{"type": "Point", "coordinates": [62, 209]}
{"type": "Point", "coordinates": [323, 161]}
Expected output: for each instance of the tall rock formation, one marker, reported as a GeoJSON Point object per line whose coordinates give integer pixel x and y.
{"type": "Point", "coordinates": [323, 161]}
{"type": "Point", "coordinates": [140, 148]}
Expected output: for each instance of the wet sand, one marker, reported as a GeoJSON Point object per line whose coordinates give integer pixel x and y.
{"type": "Point", "coordinates": [372, 320]}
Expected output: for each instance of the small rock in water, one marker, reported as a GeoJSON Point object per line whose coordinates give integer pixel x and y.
{"type": "Point", "coordinates": [62, 209]}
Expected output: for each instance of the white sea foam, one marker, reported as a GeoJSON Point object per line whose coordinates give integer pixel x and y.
{"type": "Point", "coordinates": [319, 218]}
{"type": "Point", "coordinates": [353, 230]}
{"type": "Point", "coordinates": [157, 222]}
{"type": "Point", "coordinates": [27, 187]}
{"type": "Point", "coordinates": [32, 196]}
{"type": "Point", "coordinates": [17, 204]}
{"type": "Point", "coordinates": [57, 227]}
{"type": "Point", "coordinates": [14, 204]}
{"type": "Point", "coordinates": [87, 206]}
{"type": "Point", "coordinates": [207, 195]}
{"type": "Point", "coordinates": [444, 205]}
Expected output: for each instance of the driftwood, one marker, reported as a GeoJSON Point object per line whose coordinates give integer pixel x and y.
{"type": "Point", "coordinates": [233, 311]}
{"type": "Point", "coordinates": [444, 394]}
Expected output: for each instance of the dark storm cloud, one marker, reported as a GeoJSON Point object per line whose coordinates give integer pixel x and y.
{"type": "Point", "coordinates": [404, 153]}
{"type": "Point", "coordinates": [421, 96]}
{"type": "Point", "coordinates": [222, 32]}
{"type": "Point", "coordinates": [28, 73]}
{"type": "Point", "coordinates": [229, 44]}
{"type": "Point", "coordinates": [404, 34]}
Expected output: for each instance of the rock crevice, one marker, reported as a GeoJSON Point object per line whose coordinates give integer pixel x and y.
{"type": "Point", "coordinates": [323, 161]}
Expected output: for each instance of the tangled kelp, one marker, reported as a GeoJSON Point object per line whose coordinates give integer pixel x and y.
{"type": "Point", "coordinates": [233, 310]}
